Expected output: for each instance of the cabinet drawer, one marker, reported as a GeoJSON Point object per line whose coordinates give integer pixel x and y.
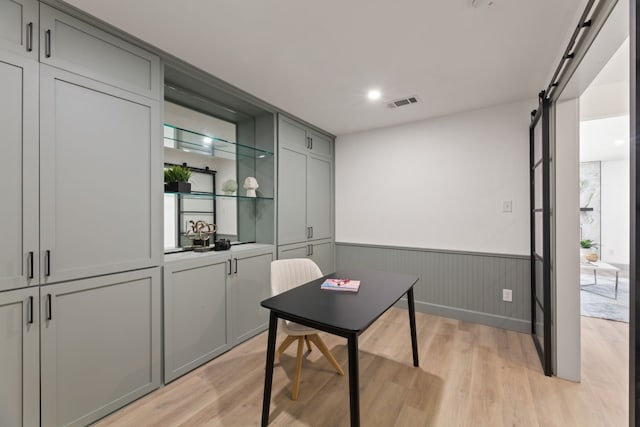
{"type": "Point", "coordinates": [19, 26]}
{"type": "Point", "coordinates": [73, 45]}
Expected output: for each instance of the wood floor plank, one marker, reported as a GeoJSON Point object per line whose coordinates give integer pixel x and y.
{"type": "Point", "coordinates": [469, 375]}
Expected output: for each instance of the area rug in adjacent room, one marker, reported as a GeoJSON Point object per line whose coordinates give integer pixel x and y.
{"type": "Point", "coordinates": [598, 300]}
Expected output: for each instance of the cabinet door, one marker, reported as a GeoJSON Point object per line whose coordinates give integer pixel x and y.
{"type": "Point", "coordinates": [322, 254]}
{"type": "Point", "coordinates": [19, 353]}
{"type": "Point", "coordinates": [100, 178]}
{"type": "Point", "coordinates": [292, 134]}
{"type": "Point", "coordinates": [73, 45]}
{"type": "Point", "coordinates": [320, 144]}
{"type": "Point", "coordinates": [250, 285]}
{"type": "Point", "coordinates": [100, 345]}
{"type": "Point", "coordinates": [195, 314]}
{"type": "Point", "coordinates": [18, 171]}
{"type": "Point", "coordinates": [292, 197]}
{"type": "Point", "coordinates": [319, 200]}
{"type": "Point", "coordinates": [19, 27]}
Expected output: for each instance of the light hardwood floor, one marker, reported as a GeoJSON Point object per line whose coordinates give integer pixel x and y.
{"type": "Point", "coordinates": [469, 375]}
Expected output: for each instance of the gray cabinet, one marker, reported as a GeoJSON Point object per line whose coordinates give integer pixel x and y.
{"type": "Point", "coordinates": [20, 356]}
{"type": "Point", "coordinates": [100, 178]}
{"type": "Point", "coordinates": [250, 284]}
{"type": "Point", "coordinates": [100, 345]}
{"type": "Point", "coordinates": [73, 45]}
{"type": "Point", "coordinates": [195, 313]}
{"type": "Point", "coordinates": [321, 252]}
{"type": "Point", "coordinates": [19, 27]}
{"type": "Point", "coordinates": [212, 303]}
{"type": "Point", "coordinates": [18, 170]}
{"type": "Point", "coordinates": [305, 184]}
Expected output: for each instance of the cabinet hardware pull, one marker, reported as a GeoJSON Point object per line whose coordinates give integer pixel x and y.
{"type": "Point", "coordinates": [48, 263]}
{"type": "Point", "coordinates": [30, 318]}
{"type": "Point", "coordinates": [31, 265]}
{"type": "Point", "coordinates": [311, 228]}
{"type": "Point", "coordinates": [229, 267]}
{"type": "Point", "coordinates": [310, 143]}
{"type": "Point", "coordinates": [49, 308]}
{"type": "Point", "coordinates": [47, 44]}
{"type": "Point", "coordinates": [311, 246]}
{"type": "Point", "coordinates": [235, 268]}
{"type": "Point", "coordinates": [29, 36]}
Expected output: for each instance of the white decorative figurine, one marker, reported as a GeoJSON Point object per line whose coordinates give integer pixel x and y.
{"type": "Point", "coordinates": [250, 184]}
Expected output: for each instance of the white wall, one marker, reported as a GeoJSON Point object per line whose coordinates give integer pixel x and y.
{"type": "Point", "coordinates": [438, 183]}
{"type": "Point", "coordinates": [566, 235]}
{"type": "Point", "coordinates": [614, 189]}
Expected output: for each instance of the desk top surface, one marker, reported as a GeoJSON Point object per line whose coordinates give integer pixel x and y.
{"type": "Point", "coordinates": [599, 265]}
{"type": "Point", "coordinates": [342, 312]}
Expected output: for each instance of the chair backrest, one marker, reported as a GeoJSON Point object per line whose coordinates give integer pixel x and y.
{"type": "Point", "coordinates": [289, 273]}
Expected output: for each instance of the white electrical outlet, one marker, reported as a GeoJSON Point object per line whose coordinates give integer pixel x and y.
{"type": "Point", "coordinates": [507, 206]}
{"type": "Point", "coordinates": [507, 295]}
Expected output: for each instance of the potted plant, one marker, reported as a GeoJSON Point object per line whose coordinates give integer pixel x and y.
{"type": "Point", "coordinates": [587, 250]}
{"type": "Point", "coordinates": [176, 179]}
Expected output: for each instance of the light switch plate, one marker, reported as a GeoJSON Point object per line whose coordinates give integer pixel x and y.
{"type": "Point", "coordinates": [507, 206]}
{"type": "Point", "coordinates": [507, 295]}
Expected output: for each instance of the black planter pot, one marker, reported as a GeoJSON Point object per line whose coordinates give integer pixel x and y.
{"type": "Point", "coordinates": [177, 187]}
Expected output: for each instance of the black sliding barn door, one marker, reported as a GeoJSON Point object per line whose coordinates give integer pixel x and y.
{"type": "Point", "coordinates": [541, 232]}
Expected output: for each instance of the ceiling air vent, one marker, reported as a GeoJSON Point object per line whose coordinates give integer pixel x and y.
{"type": "Point", "coordinates": [403, 101]}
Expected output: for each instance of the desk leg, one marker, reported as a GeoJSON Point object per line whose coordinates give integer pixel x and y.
{"type": "Point", "coordinates": [412, 325]}
{"type": "Point", "coordinates": [354, 382]}
{"type": "Point", "coordinates": [268, 376]}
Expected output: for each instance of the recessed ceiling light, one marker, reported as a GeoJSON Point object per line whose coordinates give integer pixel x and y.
{"type": "Point", "coordinates": [619, 141]}
{"type": "Point", "coordinates": [207, 140]}
{"type": "Point", "coordinates": [374, 94]}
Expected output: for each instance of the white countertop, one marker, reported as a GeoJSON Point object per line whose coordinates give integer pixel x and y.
{"type": "Point", "coordinates": [191, 255]}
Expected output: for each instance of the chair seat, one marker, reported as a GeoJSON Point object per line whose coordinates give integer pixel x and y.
{"type": "Point", "coordinates": [295, 329]}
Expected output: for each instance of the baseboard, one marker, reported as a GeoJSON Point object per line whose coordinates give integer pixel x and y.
{"type": "Point", "coordinates": [496, 321]}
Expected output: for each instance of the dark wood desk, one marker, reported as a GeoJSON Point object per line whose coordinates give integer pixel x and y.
{"type": "Point", "coordinates": [346, 314]}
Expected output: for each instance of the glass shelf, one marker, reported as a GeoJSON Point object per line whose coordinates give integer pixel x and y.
{"type": "Point", "coordinates": [188, 140]}
{"type": "Point", "coordinates": [204, 195]}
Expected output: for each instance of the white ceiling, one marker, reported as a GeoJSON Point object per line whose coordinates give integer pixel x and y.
{"type": "Point", "coordinates": [604, 139]}
{"type": "Point", "coordinates": [317, 59]}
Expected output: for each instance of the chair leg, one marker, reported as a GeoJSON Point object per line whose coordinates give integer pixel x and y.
{"type": "Point", "coordinates": [296, 375]}
{"type": "Point", "coordinates": [285, 344]}
{"type": "Point", "coordinates": [306, 338]}
{"type": "Point", "coordinates": [315, 338]}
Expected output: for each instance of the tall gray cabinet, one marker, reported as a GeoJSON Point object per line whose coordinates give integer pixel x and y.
{"type": "Point", "coordinates": [81, 207]}
{"type": "Point", "coordinates": [305, 194]}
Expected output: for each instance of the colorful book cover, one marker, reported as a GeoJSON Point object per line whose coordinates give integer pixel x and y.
{"type": "Point", "coordinates": [341, 285]}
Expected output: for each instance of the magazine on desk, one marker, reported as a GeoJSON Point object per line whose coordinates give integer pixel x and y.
{"type": "Point", "coordinates": [347, 285]}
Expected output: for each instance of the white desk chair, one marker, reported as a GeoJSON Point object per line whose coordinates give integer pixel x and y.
{"type": "Point", "coordinates": [287, 274]}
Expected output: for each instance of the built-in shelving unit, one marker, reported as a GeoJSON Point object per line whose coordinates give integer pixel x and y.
{"type": "Point", "coordinates": [233, 145]}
